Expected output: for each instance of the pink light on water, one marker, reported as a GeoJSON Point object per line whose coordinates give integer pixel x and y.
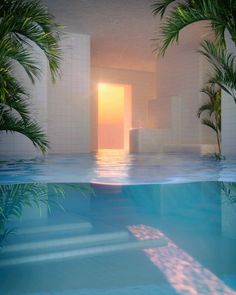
{"type": "Point", "coordinates": [186, 275]}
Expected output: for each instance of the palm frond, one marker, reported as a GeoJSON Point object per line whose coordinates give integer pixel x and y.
{"type": "Point", "coordinates": [181, 17]}
{"type": "Point", "coordinates": [13, 96]}
{"type": "Point", "coordinates": [28, 22]}
{"type": "Point", "coordinates": [224, 65]}
{"type": "Point", "coordinates": [209, 123]}
{"type": "Point", "coordinates": [10, 123]}
{"type": "Point", "coordinates": [11, 50]}
{"type": "Point", "coordinates": [15, 197]}
{"type": "Point", "coordinates": [219, 13]}
{"type": "Point", "coordinates": [205, 107]}
{"type": "Point", "coordinates": [160, 6]}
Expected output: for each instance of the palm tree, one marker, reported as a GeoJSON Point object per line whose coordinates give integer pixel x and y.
{"type": "Point", "coordinates": [22, 24]}
{"type": "Point", "coordinates": [14, 111]}
{"type": "Point", "coordinates": [220, 14]}
{"type": "Point", "coordinates": [224, 66]}
{"type": "Point", "coordinates": [213, 109]}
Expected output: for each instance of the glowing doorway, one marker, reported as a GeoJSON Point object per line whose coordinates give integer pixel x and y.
{"type": "Point", "coordinates": [114, 116]}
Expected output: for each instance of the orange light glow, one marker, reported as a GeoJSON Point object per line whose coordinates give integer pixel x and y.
{"type": "Point", "coordinates": [111, 110]}
{"type": "Point", "coordinates": [110, 103]}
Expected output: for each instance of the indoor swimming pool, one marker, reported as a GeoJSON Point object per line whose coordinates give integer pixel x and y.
{"type": "Point", "coordinates": [138, 225]}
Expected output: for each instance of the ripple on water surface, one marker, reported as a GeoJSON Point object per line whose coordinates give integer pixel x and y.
{"type": "Point", "coordinates": [117, 167]}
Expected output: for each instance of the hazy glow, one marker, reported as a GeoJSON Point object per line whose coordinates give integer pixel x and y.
{"type": "Point", "coordinates": [111, 108]}
{"type": "Point", "coordinates": [186, 275]}
{"type": "Point", "coordinates": [111, 164]}
{"type": "Point", "coordinates": [110, 103]}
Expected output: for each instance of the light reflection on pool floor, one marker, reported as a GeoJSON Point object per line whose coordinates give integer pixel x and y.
{"type": "Point", "coordinates": [186, 275]}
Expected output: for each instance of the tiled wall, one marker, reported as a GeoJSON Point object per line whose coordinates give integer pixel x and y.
{"type": "Point", "coordinates": [178, 95]}
{"type": "Point", "coordinates": [179, 81]}
{"type": "Point", "coordinates": [228, 117]}
{"type": "Point", "coordinates": [62, 109]}
{"type": "Point", "coordinates": [69, 99]}
{"type": "Point", "coordinates": [17, 144]}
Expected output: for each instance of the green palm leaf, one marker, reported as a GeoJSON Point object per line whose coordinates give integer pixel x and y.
{"type": "Point", "coordinates": [221, 15]}
{"type": "Point", "coordinates": [159, 7]}
{"type": "Point", "coordinates": [26, 22]}
{"type": "Point", "coordinates": [209, 123]}
{"type": "Point", "coordinates": [29, 128]}
{"type": "Point", "coordinates": [224, 65]}
{"type": "Point", "coordinates": [23, 24]}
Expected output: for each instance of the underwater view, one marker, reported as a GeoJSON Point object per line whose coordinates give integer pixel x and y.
{"type": "Point", "coordinates": [94, 239]}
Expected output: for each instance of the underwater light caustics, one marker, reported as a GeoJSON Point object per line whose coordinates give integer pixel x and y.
{"type": "Point", "coordinates": [186, 275]}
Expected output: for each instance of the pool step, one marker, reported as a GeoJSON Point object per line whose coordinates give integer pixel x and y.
{"type": "Point", "coordinates": [54, 228]}
{"type": "Point", "coordinates": [44, 232]}
{"type": "Point", "coordinates": [83, 252]}
{"type": "Point", "coordinates": [75, 241]}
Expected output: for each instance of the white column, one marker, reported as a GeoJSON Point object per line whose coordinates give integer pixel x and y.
{"type": "Point", "coordinates": [69, 98]}
{"type": "Point", "coordinates": [229, 115]}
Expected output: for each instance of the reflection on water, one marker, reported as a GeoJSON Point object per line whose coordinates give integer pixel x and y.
{"type": "Point", "coordinates": [15, 199]}
{"type": "Point", "coordinates": [116, 166]}
{"type": "Point", "coordinates": [118, 162]}
{"type": "Point", "coordinates": [63, 229]}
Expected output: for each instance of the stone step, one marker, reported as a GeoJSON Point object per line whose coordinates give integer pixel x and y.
{"type": "Point", "coordinates": [75, 241]}
{"type": "Point", "coordinates": [83, 252]}
{"type": "Point", "coordinates": [54, 228]}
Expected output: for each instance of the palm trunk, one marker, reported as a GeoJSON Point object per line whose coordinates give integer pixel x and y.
{"type": "Point", "coordinates": [218, 142]}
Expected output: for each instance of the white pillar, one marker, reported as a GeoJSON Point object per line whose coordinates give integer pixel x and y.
{"type": "Point", "coordinates": [229, 115]}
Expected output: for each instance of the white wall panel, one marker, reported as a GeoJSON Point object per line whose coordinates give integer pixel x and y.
{"type": "Point", "coordinates": [69, 98]}
{"type": "Point", "coordinates": [229, 116]}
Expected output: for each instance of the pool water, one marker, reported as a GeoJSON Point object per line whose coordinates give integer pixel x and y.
{"type": "Point", "coordinates": [99, 239]}
{"type": "Point", "coordinates": [117, 167]}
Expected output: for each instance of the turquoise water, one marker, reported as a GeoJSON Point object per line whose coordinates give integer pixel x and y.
{"type": "Point", "coordinates": [94, 239]}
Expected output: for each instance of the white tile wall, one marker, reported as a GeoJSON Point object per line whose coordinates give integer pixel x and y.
{"type": "Point", "coordinates": [178, 89]}
{"type": "Point", "coordinates": [148, 140]}
{"type": "Point", "coordinates": [69, 98]}
{"type": "Point", "coordinates": [17, 144]}
{"type": "Point", "coordinates": [228, 116]}
{"type": "Point", "coordinates": [63, 109]}
{"type": "Point", "coordinates": [180, 77]}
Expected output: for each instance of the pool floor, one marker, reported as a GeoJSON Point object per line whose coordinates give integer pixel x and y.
{"type": "Point", "coordinates": [95, 239]}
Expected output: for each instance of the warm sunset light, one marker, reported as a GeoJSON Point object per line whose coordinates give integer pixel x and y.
{"type": "Point", "coordinates": [112, 105]}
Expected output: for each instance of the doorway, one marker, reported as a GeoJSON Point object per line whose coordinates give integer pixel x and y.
{"type": "Point", "coordinates": [114, 116]}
